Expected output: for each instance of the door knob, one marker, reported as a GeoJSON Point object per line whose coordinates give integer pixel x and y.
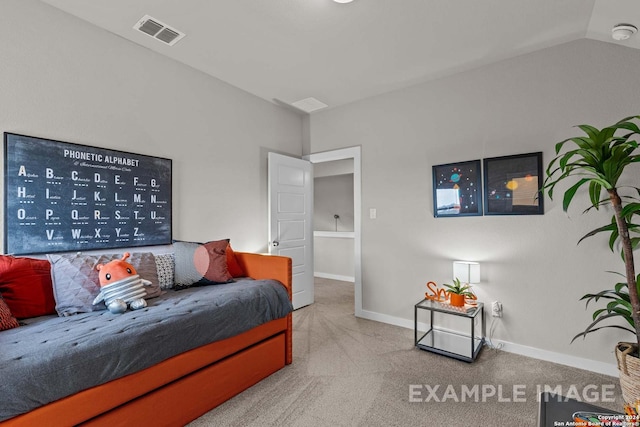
{"type": "Point", "coordinates": [276, 243]}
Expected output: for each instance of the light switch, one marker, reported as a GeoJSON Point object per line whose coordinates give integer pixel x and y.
{"type": "Point", "coordinates": [373, 213]}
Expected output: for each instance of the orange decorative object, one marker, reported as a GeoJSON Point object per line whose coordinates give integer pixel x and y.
{"type": "Point", "coordinates": [442, 296]}
{"type": "Point", "coordinates": [437, 294]}
{"type": "Point", "coordinates": [471, 300]}
{"type": "Point", "coordinates": [456, 300]}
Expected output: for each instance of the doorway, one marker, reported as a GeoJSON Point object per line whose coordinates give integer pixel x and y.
{"type": "Point", "coordinates": [353, 154]}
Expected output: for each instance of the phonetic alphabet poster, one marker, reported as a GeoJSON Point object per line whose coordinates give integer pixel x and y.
{"type": "Point", "coordinates": [68, 197]}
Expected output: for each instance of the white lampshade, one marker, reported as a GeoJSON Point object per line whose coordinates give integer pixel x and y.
{"type": "Point", "coordinates": [466, 271]}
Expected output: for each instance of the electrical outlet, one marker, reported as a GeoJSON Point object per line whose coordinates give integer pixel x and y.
{"type": "Point", "coordinates": [496, 309]}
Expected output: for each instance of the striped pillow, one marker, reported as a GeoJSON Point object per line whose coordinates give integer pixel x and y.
{"type": "Point", "coordinates": [7, 321]}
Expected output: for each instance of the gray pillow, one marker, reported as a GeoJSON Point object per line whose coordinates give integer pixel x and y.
{"type": "Point", "coordinates": [76, 284]}
{"type": "Point", "coordinates": [165, 264]}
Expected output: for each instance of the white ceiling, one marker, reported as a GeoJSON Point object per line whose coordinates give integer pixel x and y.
{"type": "Point", "coordinates": [288, 50]}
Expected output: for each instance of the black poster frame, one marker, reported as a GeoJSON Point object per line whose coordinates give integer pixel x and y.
{"type": "Point", "coordinates": [61, 197]}
{"type": "Point", "coordinates": [500, 178]}
{"type": "Point", "coordinates": [448, 176]}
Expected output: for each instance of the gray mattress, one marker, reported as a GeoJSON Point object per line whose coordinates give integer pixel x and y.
{"type": "Point", "coordinates": [53, 357]}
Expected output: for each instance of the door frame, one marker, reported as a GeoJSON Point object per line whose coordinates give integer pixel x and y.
{"type": "Point", "coordinates": [355, 154]}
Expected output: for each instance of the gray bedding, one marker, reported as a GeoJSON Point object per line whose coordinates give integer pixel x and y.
{"type": "Point", "coordinates": [53, 357]}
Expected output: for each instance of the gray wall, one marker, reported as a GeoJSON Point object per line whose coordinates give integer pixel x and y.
{"type": "Point", "coordinates": [530, 263]}
{"type": "Point", "coordinates": [333, 195]}
{"type": "Point", "coordinates": [62, 78]}
{"type": "Point", "coordinates": [333, 258]}
{"type": "Point", "coordinates": [333, 255]}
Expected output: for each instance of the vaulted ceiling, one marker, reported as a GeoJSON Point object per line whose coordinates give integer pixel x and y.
{"type": "Point", "coordinates": [289, 50]}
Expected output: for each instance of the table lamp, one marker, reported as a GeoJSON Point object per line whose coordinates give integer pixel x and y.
{"type": "Point", "coordinates": [467, 272]}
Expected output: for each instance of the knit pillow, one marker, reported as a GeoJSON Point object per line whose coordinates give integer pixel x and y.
{"type": "Point", "coordinates": [165, 264]}
{"type": "Point", "coordinates": [7, 321]}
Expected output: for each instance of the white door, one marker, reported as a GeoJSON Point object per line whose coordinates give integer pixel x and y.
{"type": "Point", "coordinates": [290, 220]}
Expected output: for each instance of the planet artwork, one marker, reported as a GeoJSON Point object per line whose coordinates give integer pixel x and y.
{"type": "Point", "coordinates": [512, 184]}
{"type": "Point", "coordinates": [457, 189]}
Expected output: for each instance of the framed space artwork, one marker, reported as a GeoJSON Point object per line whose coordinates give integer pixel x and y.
{"type": "Point", "coordinates": [457, 189]}
{"type": "Point", "coordinates": [512, 185]}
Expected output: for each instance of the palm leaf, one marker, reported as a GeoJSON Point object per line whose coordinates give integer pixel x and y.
{"type": "Point", "coordinates": [594, 193]}
{"type": "Point", "coordinates": [592, 132]}
{"type": "Point", "coordinates": [571, 192]}
{"type": "Point", "coordinates": [589, 329]}
{"type": "Point", "coordinates": [584, 334]}
{"type": "Point", "coordinates": [608, 227]}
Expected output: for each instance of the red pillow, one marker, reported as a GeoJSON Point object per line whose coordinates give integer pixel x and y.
{"type": "Point", "coordinates": [25, 285]}
{"type": "Point", "coordinates": [233, 265]}
{"type": "Point", "coordinates": [7, 321]}
{"type": "Point", "coordinates": [210, 261]}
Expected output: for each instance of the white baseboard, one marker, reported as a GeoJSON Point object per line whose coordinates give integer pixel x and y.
{"type": "Point", "coordinates": [610, 369]}
{"type": "Point", "coordinates": [385, 318]}
{"type": "Point", "coordinates": [335, 277]}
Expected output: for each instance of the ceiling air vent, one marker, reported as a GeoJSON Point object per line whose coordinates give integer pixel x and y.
{"type": "Point", "coordinates": [158, 30]}
{"type": "Point", "coordinates": [309, 105]}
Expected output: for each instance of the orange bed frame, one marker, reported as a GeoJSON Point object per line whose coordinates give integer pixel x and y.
{"type": "Point", "coordinates": [182, 388]}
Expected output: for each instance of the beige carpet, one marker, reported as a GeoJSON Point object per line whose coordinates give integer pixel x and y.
{"type": "Point", "coordinates": [353, 372]}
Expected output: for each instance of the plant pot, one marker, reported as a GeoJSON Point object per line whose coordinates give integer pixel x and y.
{"type": "Point", "coordinates": [456, 300]}
{"type": "Point", "coordinates": [629, 370]}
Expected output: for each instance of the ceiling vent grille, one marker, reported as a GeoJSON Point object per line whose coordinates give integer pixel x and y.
{"type": "Point", "coordinates": [158, 30]}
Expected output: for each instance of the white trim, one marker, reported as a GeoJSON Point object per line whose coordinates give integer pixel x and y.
{"type": "Point", "coordinates": [610, 369]}
{"type": "Point", "coordinates": [385, 318]}
{"type": "Point", "coordinates": [355, 154]}
{"type": "Point", "coordinates": [343, 234]}
{"type": "Point", "coordinates": [334, 277]}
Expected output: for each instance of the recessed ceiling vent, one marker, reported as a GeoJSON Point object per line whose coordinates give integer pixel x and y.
{"type": "Point", "coordinates": [158, 30]}
{"type": "Point", "coordinates": [309, 105]}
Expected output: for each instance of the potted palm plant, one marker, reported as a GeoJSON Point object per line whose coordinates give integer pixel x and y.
{"type": "Point", "coordinates": [458, 292]}
{"type": "Point", "coordinates": [598, 160]}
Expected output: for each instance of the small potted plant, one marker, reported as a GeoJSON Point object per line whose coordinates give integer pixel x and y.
{"type": "Point", "coordinates": [458, 292]}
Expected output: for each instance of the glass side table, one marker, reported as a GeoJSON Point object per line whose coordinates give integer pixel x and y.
{"type": "Point", "coordinates": [461, 346]}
